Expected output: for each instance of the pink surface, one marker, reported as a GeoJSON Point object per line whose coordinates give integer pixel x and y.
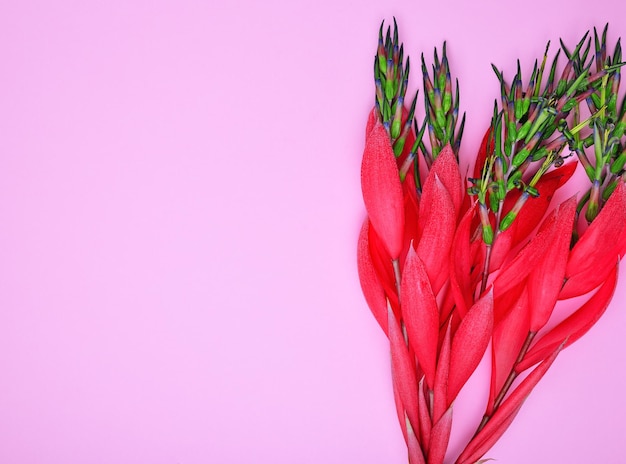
{"type": "Point", "coordinates": [179, 207]}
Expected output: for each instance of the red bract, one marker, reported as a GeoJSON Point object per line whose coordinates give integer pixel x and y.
{"type": "Point", "coordinates": [546, 279]}
{"type": "Point", "coordinates": [382, 263]}
{"type": "Point", "coordinates": [440, 394]}
{"type": "Point", "coordinates": [424, 418]}
{"type": "Point", "coordinates": [438, 218]}
{"type": "Point", "coordinates": [508, 339]}
{"type": "Point", "coordinates": [403, 370]}
{"type": "Point", "coordinates": [531, 214]}
{"type": "Point", "coordinates": [575, 326]}
{"type": "Point", "coordinates": [503, 417]}
{"type": "Point", "coordinates": [599, 247]}
{"type": "Point", "coordinates": [446, 169]}
{"type": "Point", "coordinates": [382, 190]}
{"type": "Point", "coordinates": [439, 438]}
{"type": "Point", "coordinates": [370, 283]}
{"type": "Point", "coordinates": [461, 264]}
{"type": "Point", "coordinates": [420, 314]}
{"type": "Point", "coordinates": [469, 344]}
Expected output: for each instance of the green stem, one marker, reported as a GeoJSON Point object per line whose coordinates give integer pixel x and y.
{"type": "Point", "coordinates": [487, 263]}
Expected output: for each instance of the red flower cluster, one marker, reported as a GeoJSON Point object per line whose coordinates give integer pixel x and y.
{"type": "Point", "coordinates": [443, 290]}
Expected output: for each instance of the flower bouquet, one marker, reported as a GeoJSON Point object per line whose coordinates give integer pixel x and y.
{"type": "Point", "coordinates": [457, 267]}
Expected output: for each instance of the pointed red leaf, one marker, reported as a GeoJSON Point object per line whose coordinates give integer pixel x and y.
{"type": "Point", "coordinates": [415, 452]}
{"type": "Point", "coordinates": [575, 326]}
{"type": "Point", "coordinates": [424, 418]}
{"type": "Point", "coordinates": [469, 344]}
{"type": "Point", "coordinates": [503, 417]}
{"type": "Point", "coordinates": [420, 314]}
{"type": "Point", "coordinates": [440, 392]}
{"type": "Point", "coordinates": [439, 438]}
{"type": "Point", "coordinates": [461, 264]}
{"type": "Point", "coordinates": [384, 268]}
{"type": "Point", "coordinates": [446, 305]}
{"type": "Point", "coordinates": [439, 218]}
{"type": "Point", "coordinates": [411, 215]}
{"type": "Point", "coordinates": [535, 208]}
{"type": "Point", "coordinates": [399, 408]}
{"type": "Point", "coordinates": [488, 442]}
{"type": "Point", "coordinates": [546, 279]}
{"type": "Point", "coordinates": [508, 338]}
{"type": "Point", "coordinates": [446, 168]}
{"type": "Point", "coordinates": [370, 283]}
{"type": "Point", "coordinates": [563, 174]}
{"type": "Point", "coordinates": [503, 303]}
{"type": "Point", "coordinates": [382, 190]}
{"type": "Point", "coordinates": [478, 253]}
{"type": "Point", "coordinates": [603, 233]}
{"type": "Point", "coordinates": [481, 156]}
{"type": "Point", "coordinates": [403, 369]}
{"type": "Point", "coordinates": [531, 213]}
{"type": "Point", "coordinates": [501, 248]}
{"type": "Point", "coordinates": [584, 282]}
{"type": "Point", "coordinates": [518, 269]}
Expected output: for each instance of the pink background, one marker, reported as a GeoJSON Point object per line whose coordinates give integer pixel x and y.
{"type": "Point", "coordinates": [179, 207]}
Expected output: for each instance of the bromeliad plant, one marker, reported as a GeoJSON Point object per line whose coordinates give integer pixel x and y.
{"type": "Point", "coordinates": [450, 266]}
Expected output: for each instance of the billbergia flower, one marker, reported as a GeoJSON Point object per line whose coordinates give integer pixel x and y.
{"type": "Point", "coordinates": [451, 266]}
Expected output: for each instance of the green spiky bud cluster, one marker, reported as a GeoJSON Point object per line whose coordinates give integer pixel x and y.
{"type": "Point", "coordinates": [391, 75]}
{"type": "Point", "coordinates": [602, 152]}
{"type": "Point", "coordinates": [441, 101]}
{"type": "Point", "coordinates": [442, 107]}
{"type": "Point", "coordinates": [535, 121]}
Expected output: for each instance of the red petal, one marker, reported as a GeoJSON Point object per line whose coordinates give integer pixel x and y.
{"type": "Point", "coordinates": [535, 208]}
{"type": "Point", "coordinates": [399, 408]}
{"type": "Point", "coordinates": [518, 269]}
{"type": "Point", "coordinates": [415, 452]}
{"type": "Point", "coordinates": [575, 326]}
{"type": "Point", "coordinates": [605, 230]}
{"type": "Point", "coordinates": [439, 438]}
{"type": "Point", "coordinates": [487, 443]}
{"type": "Point", "coordinates": [420, 314]}
{"type": "Point", "coordinates": [501, 248]}
{"type": "Point", "coordinates": [469, 344]}
{"type": "Point", "coordinates": [446, 306]}
{"type": "Point", "coordinates": [446, 168]}
{"type": "Point", "coordinates": [384, 269]}
{"type": "Point", "coordinates": [563, 174]}
{"type": "Point", "coordinates": [584, 282]}
{"type": "Point", "coordinates": [403, 369]}
{"type": "Point", "coordinates": [424, 416]}
{"type": "Point", "coordinates": [546, 279]}
{"type": "Point", "coordinates": [439, 219]}
{"type": "Point", "coordinates": [370, 283]}
{"type": "Point", "coordinates": [461, 264]}
{"type": "Point", "coordinates": [382, 190]}
{"type": "Point", "coordinates": [440, 392]}
{"type": "Point", "coordinates": [482, 154]}
{"type": "Point", "coordinates": [411, 214]}
{"type": "Point", "coordinates": [508, 338]}
{"type": "Point", "coordinates": [503, 417]}
{"type": "Point", "coordinates": [503, 303]}
{"type": "Point", "coordinates": [531, 213]}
